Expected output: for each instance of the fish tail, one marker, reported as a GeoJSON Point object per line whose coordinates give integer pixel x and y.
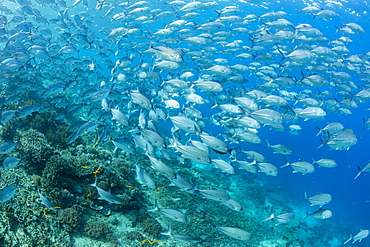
{"type": "Point", "coordinates": [268, 144]}
{"type": "Point", "coordinates": [270, 217]}
{"type": "Point", "coordinates": [323, 143]}
{"type": "Point", "coordinates": [359, 172]}
{"type": "Point", "coordinates": [282, 53]}
{"type": "Point", "coordinates": [307, 214]}
{"type": "Point", "coordinates": [320, 130]}
{"type": "Point", "coordinates": [350, 238]}
{"type": "Point", "coordinates": [313, 161]}
{"type": "Point", "coordinates": [232, 157]}
{"type": "Point", "coordinates": [286, 164]}
{"type": "Point", "coordinates": [215, 105]}
{"type": "Point", "coordinates": [156, 208]}
{"type": "Point", "coordinates": [94, 184]}
{"type": "Point", "coordinates": [168, 233]}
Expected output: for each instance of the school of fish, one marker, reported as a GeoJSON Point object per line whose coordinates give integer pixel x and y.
{"type": "Point", "coordinates": [161, 82]}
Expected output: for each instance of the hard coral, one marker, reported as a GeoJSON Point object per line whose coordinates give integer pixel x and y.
{"type": "Point", "coordinates": [35, 150]}
{"type": "Point", "coordinates": [95, 229]}
{"type": "Point", "coordinates": [70, 219]}
{"type": "Point", "coordinates": [149, 225]}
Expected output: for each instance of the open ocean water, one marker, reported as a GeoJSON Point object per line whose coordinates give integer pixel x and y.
{"type": "Point", "coordinates": [127, 123]}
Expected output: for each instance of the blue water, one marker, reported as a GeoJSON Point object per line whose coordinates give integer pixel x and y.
{"type": "Point", "coordinates": [351, 198]}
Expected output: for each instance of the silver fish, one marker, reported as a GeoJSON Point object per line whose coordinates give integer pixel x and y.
{"type": "Point", "coordinates": [324, 162]}
{"type": "Point", "coordinates": [120, 117]}
{"type": "Point", "coordinates": [107, 195]}
{"type": "Point", "coordinates": [185, 124]}
{"type": "Point", "coordinates": [281, 218]}
{"type": "Point", "coordinates": [45, 201]}
{"type": "Point", "coordinates": [268, 169]}
{"type": "Point", "coordinates": [143, 177]}
{"type": "Point", "coordinates": [216, 144]}
{"type": "Point", "coordinates": [153, 137]}
{"type": "Point", "coordinates": [170, 213]}
{"type": "Point", "coordinates": [321, 214]}
{"type": "Point", "coordinates": [182, 238]}
{"type": "Point", "coordinates": [248, 166]}
{"type": "Point", "coordinates": [280, 149]}
{"type": "Point", "coordinates": [182, 183]}
{"type": "Point", "coordinates": [319, 200]}
{"type": "Point", "coordinates": [234, 205]}
{"type": "Point", "coordinates": [267, 116]}
{"type": "Point", "coordinates": [358, 237]}
{"type": "Point", "coordinates": [193, 153]}
{"type": "Point", "coordinates": [234, 232]}
{"type": "Point", "coordinates": [123, 144]}
{"type": "Point", "coordinates": [223, 165]}
{"type": "Point", "coordinates": [161, 167]}
{"type": "Point", "coordinates": [141, 100]}
{"type": "Point", "coordinates": [300, 166]}
{"type": "Point", "coordinates": [217, 195]}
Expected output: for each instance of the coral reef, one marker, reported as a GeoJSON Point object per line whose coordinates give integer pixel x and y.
{"type": "Point", "coordinates": [70, 219]}
{"type": "Point", "coordinates": [96, 229]}
{"type": "Point", "coordinates": [150, 226]}
{"type": "Point", "coordinates": [35, 150]}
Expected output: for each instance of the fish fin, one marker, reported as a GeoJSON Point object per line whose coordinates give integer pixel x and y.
{"type": "Point", "coordinates": [270, 217]}
{"type": "Point", "coordinates": [350, 238]}
{"type": "Point", "coordinates": [94, 184]}
{"type": "Point", "coordinates": [168, 233]}
{"type": "Point", "coordinates": [286, 164]}
{"type": "Point", "coordinates": [320, 130]}
{"type": "Point", "coordinates": [215, 105]}
{"type": "Point", "coordinates": [156, 208]}
{"type": "Point", "coordinates": [323, 143]}
{"type": "Point", "coordinates": [268, 144]}
{"type": "Point", "coordinates": [359, 172]}
{"type": "Point", "coordinates": [307, 214]}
